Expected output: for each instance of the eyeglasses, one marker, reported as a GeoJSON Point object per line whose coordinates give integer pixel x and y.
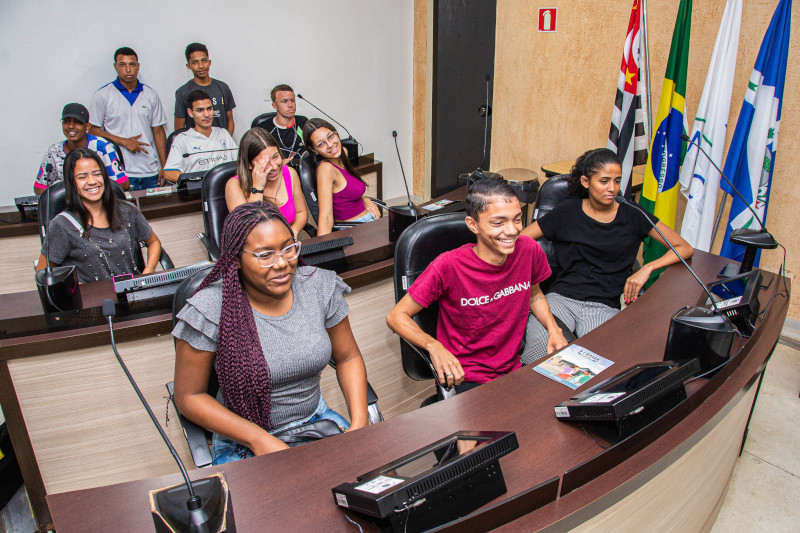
{"type": "Point", "coordinates": [329, 140]}
{"type": "Point", "coordinates": [268, 258]}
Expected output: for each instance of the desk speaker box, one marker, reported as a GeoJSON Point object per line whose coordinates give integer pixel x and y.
{"type": "Point", "coordinates": [698, 332]}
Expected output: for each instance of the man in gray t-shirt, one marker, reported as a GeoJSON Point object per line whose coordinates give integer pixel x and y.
{"type": "Point", "coordinates": [221, 97]}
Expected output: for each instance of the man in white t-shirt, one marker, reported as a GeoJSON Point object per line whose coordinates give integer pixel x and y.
{"type": "Point", "coordinates": [130, 113]}
{"type": "Point", "coordinates": [203, 147]}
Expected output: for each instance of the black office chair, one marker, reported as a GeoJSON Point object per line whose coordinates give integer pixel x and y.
{"type": "Point", "coordinates": [554, 191]}
{"type": "Point", "coordinates": [214, 207]}
{"type": "Point", "coordinates": [307, 170]}
{"type": "Point", "coordinates": [421, 243]}
{"type": "Point", "coordinates": [262, 120]}
{"type": "Point", "coordinates": [54, 200]}
{"type": "Point", "coordinates": [197, 437]}
{"type": "Point", "coordinates": [171, 138]}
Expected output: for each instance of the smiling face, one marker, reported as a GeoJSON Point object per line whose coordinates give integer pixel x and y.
{"type": "Point", "coordinates": [326, 143]}
{"type": "Point", "coordinates": [74, 131]}
{"type": "Point", "coordinates": [497, 228]}
{"type": "Point", "coordinates": [127, 68]}
{"type": "Point", "coordinates": [603, 185]}
{"type": "Point", "coordinates": [275, 281]}
{"type": "Point", "coordinates": [271, 157]}
{"type": "Point", "coordinates": [89, 180]}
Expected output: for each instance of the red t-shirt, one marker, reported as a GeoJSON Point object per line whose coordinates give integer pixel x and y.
{"type": "Point", "coordinates": [483, 308]}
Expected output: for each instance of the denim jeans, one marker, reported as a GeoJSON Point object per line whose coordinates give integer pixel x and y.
{"type": "Point", "coordinates": [369, 217]}
{"type": "Point", "coordinates": [140, 184]}
{"type": "Point", "coordinates": [224, 450]}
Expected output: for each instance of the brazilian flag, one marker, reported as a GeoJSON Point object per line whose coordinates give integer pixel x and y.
{"type": "Point", "coordinates": [660, 186]}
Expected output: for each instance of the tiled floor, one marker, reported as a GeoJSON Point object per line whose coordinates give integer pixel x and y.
{"type": "Point", "coordinates": [764, 492]}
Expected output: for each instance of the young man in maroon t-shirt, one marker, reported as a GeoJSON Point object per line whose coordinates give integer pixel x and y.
{"type": "Point", "coordinates": [484, 292]}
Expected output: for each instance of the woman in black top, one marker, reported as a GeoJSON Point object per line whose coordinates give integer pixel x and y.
{"type": "Point", "coordinates": [596, 241]}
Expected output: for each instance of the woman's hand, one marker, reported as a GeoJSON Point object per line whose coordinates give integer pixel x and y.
{"type": "Point", "coordinates": [266, 443]}
{"type": "Point", "coordinates": [635, 283]}
{"type": "Point", "coordinates": [371, 208]}
{"type": "Point", "coordinates": [148, 269]}
{"type": "Point", "coordinates": [259, 174]}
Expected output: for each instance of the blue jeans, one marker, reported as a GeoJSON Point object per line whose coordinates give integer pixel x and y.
{"type": "Point", "coordinates": [369, 217]}
{"type": "Point", "coordinates": [224, 450]}
{"type": "Point", "coordinates": [140, 184]}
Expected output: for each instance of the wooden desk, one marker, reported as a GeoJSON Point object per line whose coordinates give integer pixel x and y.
{"type": "Point", "coordinates": [178, 202]}
{"type": "Point", "coordinates": [565, 167]}
{"type": "Point", "coordinates": [48, 431]}
{"type": "Point", "coordinates": [673, 474]}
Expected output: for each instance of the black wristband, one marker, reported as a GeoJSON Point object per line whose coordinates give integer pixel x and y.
{"type": "Point", "coordinates": [256, 191]}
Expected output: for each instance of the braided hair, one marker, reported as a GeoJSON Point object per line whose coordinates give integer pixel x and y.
{"type": "Point", "coordinates": [244, 375]}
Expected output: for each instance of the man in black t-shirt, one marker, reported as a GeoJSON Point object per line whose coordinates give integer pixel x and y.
{"type": "Point", "coordinates": [221, 97]}
{"type": "Point", "coordinates": [286, 127]}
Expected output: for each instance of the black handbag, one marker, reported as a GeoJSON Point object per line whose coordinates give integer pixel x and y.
{"type": "Point", "coordinates": [308, 432]}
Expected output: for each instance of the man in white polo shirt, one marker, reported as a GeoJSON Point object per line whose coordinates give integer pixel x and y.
{"type": "Point", "coordinates": [130, 114]}
{"type": "Point", "coordinates": [203, 147]}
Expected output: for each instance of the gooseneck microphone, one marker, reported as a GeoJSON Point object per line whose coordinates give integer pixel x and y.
{"type": "Point", "coordinates": [403, 172]}
{"type": "Point", "coordinates": [300, 96]}
{"type": "Point", "coordinates": [732, 186]}
{"type": "Point", "coordinates": [188, 154]}
{"type": "Point", "coordinates": [487, 110]}
{"type": "Point", "coordinates": [622, 200]}
{"type": "Point", "coordinates": [194, 515]}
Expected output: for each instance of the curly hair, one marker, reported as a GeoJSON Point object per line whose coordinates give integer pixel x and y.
{"type": "Point", "coordinates": [587, 165]}
{"type": "Point", "coordinates": [244, 375]}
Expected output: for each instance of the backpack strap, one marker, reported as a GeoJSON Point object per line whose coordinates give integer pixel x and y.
{"type": "Point", "coordinates": [73, 221]}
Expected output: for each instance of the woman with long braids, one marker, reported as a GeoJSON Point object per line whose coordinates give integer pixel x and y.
{"type": "Point", "coordinates": [270, 328]}
{"type": "Point", "coordinates": [340, 189]}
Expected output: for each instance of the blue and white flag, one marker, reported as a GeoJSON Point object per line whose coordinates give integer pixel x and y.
{"type": "Point", "coordinates": [752, 152]}
{"type": "Point", "coordinates": [699, 179]}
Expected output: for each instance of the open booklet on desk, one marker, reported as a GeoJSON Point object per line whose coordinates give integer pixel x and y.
{"type": "Point", "coordinates": [573, 366]}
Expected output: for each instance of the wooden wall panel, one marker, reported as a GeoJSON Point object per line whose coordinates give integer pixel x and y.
{"type": "Point", "coordinates": [554, 92]}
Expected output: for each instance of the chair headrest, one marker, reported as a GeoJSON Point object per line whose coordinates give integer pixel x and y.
{"type": "Point", "coordinates": [552, 192]}
{"type": "Point", "coordinates": [261, 120]}
{"type": "Point", "coordinates": [186, 289]}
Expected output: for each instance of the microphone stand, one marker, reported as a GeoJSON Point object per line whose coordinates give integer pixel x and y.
{"type": "Point", "coordinates": [350, 142]}
{"type": "Point", "coordinates": [479, 173]}
{"type": "Point", "coordinates": [195, 516]}
{"type": "Point", "coordinates": [402, 216]}
{"type": "Point", "coordinates": [752, 239]}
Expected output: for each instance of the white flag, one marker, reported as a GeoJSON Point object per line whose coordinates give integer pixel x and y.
{"type": "Point", "coordinates": [699, 179]}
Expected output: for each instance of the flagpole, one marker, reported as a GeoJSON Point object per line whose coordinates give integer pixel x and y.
{"type": "Point", "coordinates": [647, 68]}
{"type": "Point", "coordinates": [719, 218]}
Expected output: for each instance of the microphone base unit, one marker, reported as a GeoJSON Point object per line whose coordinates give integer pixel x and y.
{"type": "Point", "coordinates": [401, 217]}
{"type": "Point", "coordinates": [698, 332]}
{"type": "Point", "coordinates": [352, 150]}
{"type": "Point", "coordinates": [753, 240]}
{"type": "Point", "coordinates": [59, 289]}
{"type": "Point", "coordinates": [172, 511]}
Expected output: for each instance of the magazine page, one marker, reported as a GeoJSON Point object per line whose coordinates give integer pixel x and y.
{"type": "Point", "coordinates": [573, 366]}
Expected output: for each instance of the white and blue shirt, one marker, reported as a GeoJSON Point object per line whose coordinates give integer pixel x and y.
{"type": "Point", "coordinates": [52, 168]}
{"type": "Point", "coordinates": [127, 114]}
{"type": "Point", "coordinates": [220, 144]}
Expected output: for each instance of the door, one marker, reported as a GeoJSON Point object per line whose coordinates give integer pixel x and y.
{"type": "Point", "coordinates": [463, 58]}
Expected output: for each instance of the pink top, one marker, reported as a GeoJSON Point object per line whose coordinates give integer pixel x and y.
{"type": "Point", "coordinates": [288, 210]}
{"type": "Point", "coordinates": [483, 308]}
{"type": "Point", "coordinates": [347, 203]}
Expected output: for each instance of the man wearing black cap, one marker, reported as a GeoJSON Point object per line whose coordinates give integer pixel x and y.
{"type": "Point", "coordinates": [75, 122]}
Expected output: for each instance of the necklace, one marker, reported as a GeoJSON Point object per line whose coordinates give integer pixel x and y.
{"type": "Point", "coordinates": [274, 195]}
{"type": "Point", "coordinates": [276, 131]}
{"type": "Point", "coordinates": [599, 218]}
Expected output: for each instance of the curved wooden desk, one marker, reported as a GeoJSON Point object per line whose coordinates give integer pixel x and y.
{"type": "Point", "coordinates": [673, 472]}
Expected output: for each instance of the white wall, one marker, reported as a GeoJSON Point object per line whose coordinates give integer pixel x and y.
{"type": "Point", "coordinates": [352, 58]}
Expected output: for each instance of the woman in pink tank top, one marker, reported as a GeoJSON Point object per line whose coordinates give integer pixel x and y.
{"type": "Point", "coordinates": [262, 175]}
{"type": "Point", "coordinates": [340, 189]}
